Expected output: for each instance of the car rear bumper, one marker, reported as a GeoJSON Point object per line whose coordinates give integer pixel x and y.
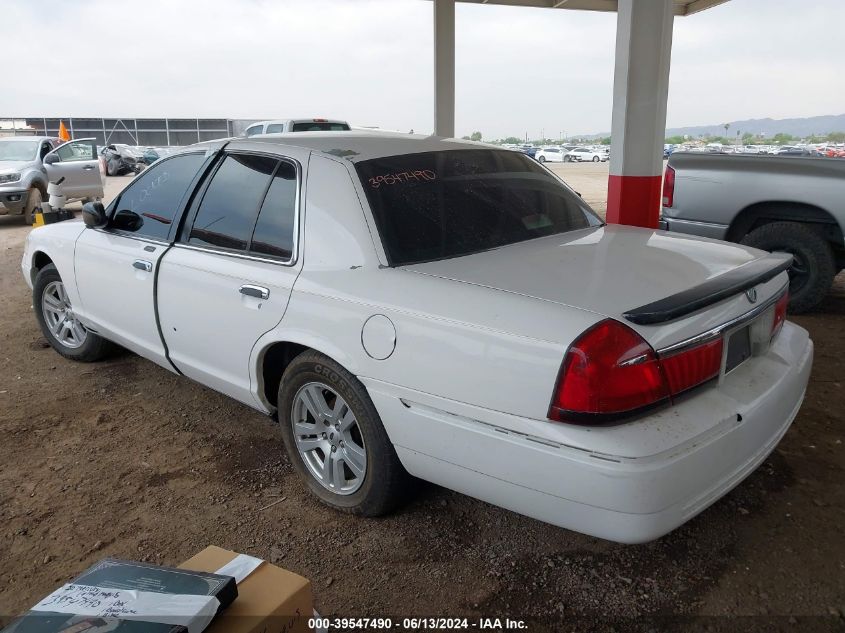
{"type": "Point", "coordinates": [624, 499]}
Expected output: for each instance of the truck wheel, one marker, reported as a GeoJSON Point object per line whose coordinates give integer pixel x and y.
{"type": "Point", "coordinates": [58, 323]}
{"type": "Point", "coordinates": [33, 201]}
{"type": "Point", "coordinates": [335, 438]}
{"type": "Point", "coordinates": [813, 268]}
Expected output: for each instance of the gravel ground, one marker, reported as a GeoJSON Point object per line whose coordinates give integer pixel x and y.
{"type": "Point", "coordinates": [122, 458]}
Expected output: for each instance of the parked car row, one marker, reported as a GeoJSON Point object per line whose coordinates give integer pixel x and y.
{"type": "Point", "coordinates": [567, 153]}
{"type": "Point", "coordinates": [828, 151]}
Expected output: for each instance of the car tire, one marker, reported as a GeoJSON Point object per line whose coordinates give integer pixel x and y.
{"type": "Point", "coordinates": [542, 159]}
{"type": "Point", "coordinates": [567, 159]}
{"type": "Point", "coordinates": [34, 198]}
{"type": "Point", "coordinates": [88, 348]}
{"type": "Point", "coordinates": [596, 159]}
{"type": "Point", "coordinates": [814, 268]}
{"type": "Point", "coordinates": [384, 480]}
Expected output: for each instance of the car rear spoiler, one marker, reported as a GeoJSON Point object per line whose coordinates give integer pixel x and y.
{"type": "Point", "coordinates": [711, 291]}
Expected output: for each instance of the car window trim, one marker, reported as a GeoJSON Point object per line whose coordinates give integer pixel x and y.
{"type": "Point", "coordinates": [187, 197]}
{"type": "Point", "coordinates": [185, 231]}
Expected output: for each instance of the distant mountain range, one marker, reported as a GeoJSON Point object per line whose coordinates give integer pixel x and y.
{"type": "Point", "coordinates": [767, 127]}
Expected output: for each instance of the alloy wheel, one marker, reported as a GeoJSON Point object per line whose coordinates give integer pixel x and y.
{"type": "Point", "coordinates": [60, 318]}
{"type": "Point", "coordinates": [328, 438]}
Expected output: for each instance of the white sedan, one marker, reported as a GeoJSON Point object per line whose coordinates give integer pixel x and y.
{"type": "Point", "coordinates": [550, 155]}
{"type": "Point", "coordinates": [584, 154]}
{"type": "Point", "coordinates": [417, 306]}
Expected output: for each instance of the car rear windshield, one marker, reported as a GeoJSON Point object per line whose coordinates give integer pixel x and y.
{"type": "Point", "coordinates": [320, 126]}
{"type": "Point", "coordinates": [438, 205]}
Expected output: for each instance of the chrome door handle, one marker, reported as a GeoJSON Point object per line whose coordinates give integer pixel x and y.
{"type": "Point", "coordinates": [255, 291]}
{"type": "Point", "coordinates": [88, 167]}
{"type": "Point", "coordinates": [144, 265]}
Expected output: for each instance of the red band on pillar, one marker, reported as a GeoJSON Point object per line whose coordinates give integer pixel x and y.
{"type": "Point", "coordinates": [634, 200]}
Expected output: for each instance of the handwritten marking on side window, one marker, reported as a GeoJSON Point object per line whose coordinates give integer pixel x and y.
{"type": "Point", "coordinates": [155, 183]}
{"type": "Point", "coordinates": [420, 175]}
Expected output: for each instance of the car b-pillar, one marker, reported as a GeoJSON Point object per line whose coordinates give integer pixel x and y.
{"type": "Point", "coordinates": [640, 92]}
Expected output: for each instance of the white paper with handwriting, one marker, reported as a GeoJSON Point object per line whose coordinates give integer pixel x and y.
{"type": "Point", "coordinates": [193, 612]}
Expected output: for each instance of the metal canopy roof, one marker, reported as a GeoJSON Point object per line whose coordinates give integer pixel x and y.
{"type": "Point", "coordinates": [682, 7]}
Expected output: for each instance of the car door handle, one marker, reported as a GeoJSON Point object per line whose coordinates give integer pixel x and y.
{"type": "Point", "coordinates": [142, 264]}
{"type": "Point", "coordinates": [255, 291]}
{"type": "Point", "coordinates": [88, 167]}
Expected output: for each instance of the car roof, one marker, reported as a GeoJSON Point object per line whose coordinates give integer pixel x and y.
{"type": "Point", "coordinates": [357, 146]}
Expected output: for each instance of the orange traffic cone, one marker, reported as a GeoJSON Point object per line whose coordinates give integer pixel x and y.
{"type": "Point", "coordinates": [64, 135]}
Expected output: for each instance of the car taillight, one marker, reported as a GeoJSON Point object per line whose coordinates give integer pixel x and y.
{"type": "Point", "coordinates": [608, 371]}
{"type": "Point", "coordinates": [611, 372]}
{"type": "Point", "coordinates": [693, 366]}
{"type": "Point", "coordinates": [669, 187]}
{"type": "Point", "coordinates": [780, 313]}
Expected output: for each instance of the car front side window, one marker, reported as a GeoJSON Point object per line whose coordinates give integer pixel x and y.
{"type": "Point", "coordinates": [76, 151]}
{"type": "Point", "coordinates": [148, 207]}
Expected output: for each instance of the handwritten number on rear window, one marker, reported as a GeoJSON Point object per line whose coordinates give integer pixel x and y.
{"type": "Point", "coordinates": [418, 175]}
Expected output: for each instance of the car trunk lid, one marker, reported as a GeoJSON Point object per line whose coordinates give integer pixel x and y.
{"type": "Point", "coordinates": [612, 270]}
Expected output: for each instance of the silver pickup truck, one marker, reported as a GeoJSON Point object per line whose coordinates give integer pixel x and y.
{"type": "Point", "coordinates": [28, 163]}
{"type": "Point", "coordinates": [777, 203]}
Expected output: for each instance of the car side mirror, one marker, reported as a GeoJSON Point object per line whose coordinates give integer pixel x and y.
{"type": "Point", "coordinates": [51, 159]}
{"type": "Point", "coordinates": [94, 215]}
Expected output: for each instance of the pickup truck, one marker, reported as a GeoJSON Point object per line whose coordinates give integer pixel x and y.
{"type": "Point", "coordinates": [776, 203]}
{"type": "Point", "coordinates": [28, 163]}
{"type": "Point", "coordinates": [282, 126]}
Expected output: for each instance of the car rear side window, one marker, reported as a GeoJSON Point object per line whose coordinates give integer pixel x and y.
{"type": "Point", "coordinates": [149, 205]}
{"type": "Point", "coordinates": [319, 126]}
{"type": "Point", "coordinates": [274, 230]}
{"type": "Point", "coordinates": [275, 128]}
{"type": "Point", "coordinates": [437, 205]}
{"type": "Point", "coordinates": [227, 213]}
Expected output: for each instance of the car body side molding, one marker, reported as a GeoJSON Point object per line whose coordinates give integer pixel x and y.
{"type": "Point", "coordinates": [711, 291]}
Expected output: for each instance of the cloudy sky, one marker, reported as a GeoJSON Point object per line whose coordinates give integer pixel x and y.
{"type": "Point", "coordinates": [370, 62]}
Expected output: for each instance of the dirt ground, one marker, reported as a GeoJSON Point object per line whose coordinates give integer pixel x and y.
{"type": "Point", "coordinates": [122, 458]}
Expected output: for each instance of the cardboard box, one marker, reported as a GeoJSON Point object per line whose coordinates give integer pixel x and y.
{"type": "Point", "coordinates": [270, 599]}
